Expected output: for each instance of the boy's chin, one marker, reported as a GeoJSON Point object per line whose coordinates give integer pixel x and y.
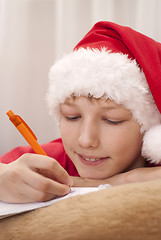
{"type": "Point", "coordinates": [94, 176]}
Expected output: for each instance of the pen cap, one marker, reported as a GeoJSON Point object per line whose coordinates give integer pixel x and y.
{"type": "Point", "coordinates": [10, 113]}
{"type": "Point", "coordinates": [17, 120]}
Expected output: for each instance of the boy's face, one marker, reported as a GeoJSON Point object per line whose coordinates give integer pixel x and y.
{"type": "Point", "coordinates": [100, 137]}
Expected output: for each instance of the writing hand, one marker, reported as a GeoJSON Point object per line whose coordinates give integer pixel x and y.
{"type": "Point", "coordinates": [33, 178]}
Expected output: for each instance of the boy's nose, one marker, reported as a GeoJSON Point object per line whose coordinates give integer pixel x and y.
{"type": "Point", "coordinates": [89, 136]}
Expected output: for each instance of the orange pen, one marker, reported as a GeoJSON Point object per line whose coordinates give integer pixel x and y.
{"type": "Point", "coordinates": [26, 132]}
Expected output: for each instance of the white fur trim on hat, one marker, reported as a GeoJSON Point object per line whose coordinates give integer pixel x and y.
{"type": "Point", "coordinates": [102, 74]}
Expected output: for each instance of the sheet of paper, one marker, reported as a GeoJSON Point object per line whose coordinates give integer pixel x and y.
{"type": "Point", "coordinates": [8, 209]}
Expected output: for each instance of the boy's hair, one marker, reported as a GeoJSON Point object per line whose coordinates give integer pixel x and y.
{"type": "Point", "coordinates": [118, 63]}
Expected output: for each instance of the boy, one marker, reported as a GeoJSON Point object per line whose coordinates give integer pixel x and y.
{"type": "Point", "coordinates": [109, 121]}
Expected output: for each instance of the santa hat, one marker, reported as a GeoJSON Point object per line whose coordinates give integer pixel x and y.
{"type": "Point", "coordinates": [118, 63]}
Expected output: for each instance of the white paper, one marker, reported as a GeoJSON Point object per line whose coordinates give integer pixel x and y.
{"type": "Point", "coordinates": [8, 209]}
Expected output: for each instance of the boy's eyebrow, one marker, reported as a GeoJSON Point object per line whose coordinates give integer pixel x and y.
{"type": "Point", "coordinates": [115, 107]}
{"type": "Point", "coordinates": [110, 107]}
{"type": "Point", "coordinates": [103, 107]}
{"type": "Point", "coordinates": [69, 103]}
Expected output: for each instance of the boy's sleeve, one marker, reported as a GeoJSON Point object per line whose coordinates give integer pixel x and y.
{"type": "Point", "coordinates": [15, 153]}
{"type": "Point", "coordinates": [53, 149]}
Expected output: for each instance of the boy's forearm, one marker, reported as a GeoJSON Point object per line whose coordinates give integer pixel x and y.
{"type": "Point", "coordinates": [132, 176]}
{"type": "Point", "coordinates": [83, 182]}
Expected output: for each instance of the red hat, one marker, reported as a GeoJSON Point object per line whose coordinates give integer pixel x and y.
{"type": "Point", "coordinates": [145, 50]}
{"type": "Point", "coordinates": [119, 63]}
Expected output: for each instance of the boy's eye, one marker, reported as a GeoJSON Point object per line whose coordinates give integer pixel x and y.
{"type": "Point", "coordinates": [113, 122]}
{"type": "Point", "coordinates": [72, 118]}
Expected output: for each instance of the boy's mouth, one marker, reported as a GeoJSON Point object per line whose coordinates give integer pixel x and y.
{"type": "Point", "coordinates": [91, 159]}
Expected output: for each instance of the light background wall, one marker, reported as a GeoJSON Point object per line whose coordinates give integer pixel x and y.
{"type": "Point", "coordinates": [34, 33]}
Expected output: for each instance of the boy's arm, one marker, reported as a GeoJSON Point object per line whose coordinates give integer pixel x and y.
{"type": "Point", "coordinates": [132, 176]}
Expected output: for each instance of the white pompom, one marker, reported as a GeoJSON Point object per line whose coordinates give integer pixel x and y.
{"type": "Point", "coordinates": [152, 144]}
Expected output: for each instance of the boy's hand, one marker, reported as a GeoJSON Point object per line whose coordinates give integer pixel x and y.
{"type": "Point", "coordinates": [33, 178]}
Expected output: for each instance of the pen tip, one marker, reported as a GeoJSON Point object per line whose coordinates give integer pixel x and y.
{"type": "Point", "coordinates": [10, 113]}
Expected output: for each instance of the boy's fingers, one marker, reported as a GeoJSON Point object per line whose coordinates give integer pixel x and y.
{"type": "Point", "coordinates": [45, 185]}
{"type": "Point", "coordinates": [58, 173]}
{"type": "Point", "coordinates": [49, 167]}
{"type": "Point", "coordinates": [29, 194]}
{"type": "Point", "coordinates": [33, 195]}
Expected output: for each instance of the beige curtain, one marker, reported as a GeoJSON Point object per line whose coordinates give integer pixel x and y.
{"type": "Point", "coordinates": [34, 33]}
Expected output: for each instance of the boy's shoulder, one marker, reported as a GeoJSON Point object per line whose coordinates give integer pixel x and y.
{"type": "Point", "coordinates": [53, 149]}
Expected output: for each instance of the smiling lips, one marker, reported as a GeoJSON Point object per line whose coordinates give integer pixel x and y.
{"type": "Point", "coordinates": [91, 160]}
